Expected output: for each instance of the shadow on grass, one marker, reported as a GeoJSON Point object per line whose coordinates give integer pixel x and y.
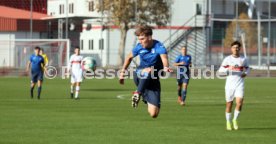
{"type": "Point", "coordinates": [259, 128]}
{"type": "Point", "coordinates": [205, 104]}
{"type": "Point", "coordinates": [106, 89]}
{"type": "Point", "coordinates": [73, 99]}
{"type": "Point", "coordinates": [97, 98]}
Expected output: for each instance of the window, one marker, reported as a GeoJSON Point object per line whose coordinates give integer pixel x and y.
{"type": "Point", "coordinates": [91, 44]}
{"type": "Point", "coordinates": [81, 44]}
{"type": "Point", "coordinates": [61, 9]}
{"type": "Point", "coordinates": [71, 8]}
{"type": "Point", "coordinates": [91, 6]}
{"type": "Point", "coordinates": [101, 44]}
{"type": "Point", "coordinates": [223, 7]}
{"type": "Point", "coordinates": [198, 9]}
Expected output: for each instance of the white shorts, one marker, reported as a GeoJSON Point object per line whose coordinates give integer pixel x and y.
{"type": "Point", "coordinates": [76, 77]}
{"type": "Point", "coordinates": [230, 94]}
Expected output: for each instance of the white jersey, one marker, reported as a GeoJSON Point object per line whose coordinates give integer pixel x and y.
{"type": "Point", "coordinates": [75, 65]}
{"type": "Point", "coordinates": [235, 67]}
{"type": "Point", "coordinates": [75, 62]}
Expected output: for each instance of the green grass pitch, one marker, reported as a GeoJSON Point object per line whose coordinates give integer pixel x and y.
{"type": "Point", "coordinates": [104, 114]}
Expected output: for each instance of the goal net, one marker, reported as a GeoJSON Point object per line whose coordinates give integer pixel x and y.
{"type": "Point", "coordinates": [15, 53]}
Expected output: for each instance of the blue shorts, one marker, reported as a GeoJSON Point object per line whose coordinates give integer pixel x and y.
{"type": "Point", "coordinates": [182, 80]}
{"type": "Point", "coordinates": [152, 92]}
{"type": "Point", "coordinates": [37, 76]}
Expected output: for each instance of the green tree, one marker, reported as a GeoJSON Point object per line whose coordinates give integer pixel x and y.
{"type": "Point", "coordinates": [249, 29]}
{"type": "Point", "coordinates": [128, 13]}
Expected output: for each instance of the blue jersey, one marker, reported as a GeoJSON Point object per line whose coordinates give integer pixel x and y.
{"type": "Point", "coordinates": [36, 63]}
{"type": "Point", "coordinates": [150, 57]}
{"type": "Point", "coordinates": [187, 59]}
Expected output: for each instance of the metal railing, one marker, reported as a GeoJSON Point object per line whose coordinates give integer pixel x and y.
{"type": "Point", "coordinates": [194, 38]}
{"type": "Point", "coordinates": [174, 37]}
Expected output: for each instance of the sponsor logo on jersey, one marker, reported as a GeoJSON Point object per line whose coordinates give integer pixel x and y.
{"type": "Point", "coordinates": [143, 51]}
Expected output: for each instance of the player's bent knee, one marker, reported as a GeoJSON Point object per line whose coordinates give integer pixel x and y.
{"type": "Point", "coordinates": [153, 111]}
{"type": "Point", "coordinates": [239, 105]}
{"type": "Point", "coordinates": [153, 114]}
{"type": "Point", "coordinates": [239, 101]}
{"type": "Point", "coordinates": [229, 104]}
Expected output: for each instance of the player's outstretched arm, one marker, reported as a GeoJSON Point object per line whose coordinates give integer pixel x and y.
{"type": "Point", "coordinates": [247, 69]}
{"type": "Point", "coordinates": [165, 62]}
{"type": "Point", "coordinates": [83, 63]}
{"type": "Point", "coordinates": [179, 64]}
{"type": "Point", "coordinates": [223, 69]}
{"type": "Point", "coordinates": [191, 64]}
{"type": "Point", "coordinates": [125, 66]}
{"type": "Point", "coordinates": [69, 65]}
{"type": "Point", "coordinates": [28, 66]}
{"type": "Point", "coordinates": [43, 64]}
{"type": "Point", "coordinates": [46, 60]}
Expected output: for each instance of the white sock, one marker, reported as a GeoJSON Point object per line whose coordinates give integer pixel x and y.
{"type": "Point", "coordinates": [77, 91]}
{"type": "Point", "coordinates": [236, 114]}
{"type": "Point", "coordinates": [72, 89]}
{"type": "Point", "coordinates": [228, 116]}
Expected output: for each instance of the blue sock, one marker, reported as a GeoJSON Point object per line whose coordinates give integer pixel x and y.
{"type": "Point", "coordinates": [184, 92]}
{"type": "Point", "coordinates": [179, 92]}
{"type": "Point", "coordinates": [38, 92]}
{"type": "Point", "coordinates": [32, 92]}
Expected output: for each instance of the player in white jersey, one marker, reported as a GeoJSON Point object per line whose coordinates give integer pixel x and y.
{"type": "Point", "coordinates": [236, 67]}
{"type": "Point", "coordinates": [75, 69]}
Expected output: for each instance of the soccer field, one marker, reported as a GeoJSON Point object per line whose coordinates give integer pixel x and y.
{"type": "Point", "coordinates": [104, 114]}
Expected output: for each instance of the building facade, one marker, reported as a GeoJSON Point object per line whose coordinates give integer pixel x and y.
{"type": "Point", "coordinates": [103, 42]}
{"type": "Point", "coordinates": [192, 24]}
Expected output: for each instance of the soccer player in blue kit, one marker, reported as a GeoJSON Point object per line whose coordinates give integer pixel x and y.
{"type": "Point", "coordinates": [36, 63]}
{"type": "Point", "coordinates": [183, 63]}
{"type": "Point", "coordinates": [153, 60]}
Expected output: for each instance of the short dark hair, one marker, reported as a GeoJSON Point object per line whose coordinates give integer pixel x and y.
{"type": "Point", "coordinates": [143, 30]}
{"type": "Point", "coordinates": [236, 43]}
{"type": "Point", "coordinates": [37, 48]}
{"type": "Point", "coordinates": [77, 47]}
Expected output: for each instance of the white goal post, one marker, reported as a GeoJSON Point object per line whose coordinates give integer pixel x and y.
{"type": "Point", "coordinates": [15, 53]}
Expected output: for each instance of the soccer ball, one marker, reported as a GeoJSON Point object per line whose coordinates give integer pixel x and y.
{"type": "Point", "coordinates": [89, 64]}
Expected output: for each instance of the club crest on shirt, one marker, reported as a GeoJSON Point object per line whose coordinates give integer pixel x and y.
{"type": "Point", "coordinates": [152, 50]}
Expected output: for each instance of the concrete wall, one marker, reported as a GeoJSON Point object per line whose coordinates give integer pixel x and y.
{"type": "Point", "coordinates": [182, 10]}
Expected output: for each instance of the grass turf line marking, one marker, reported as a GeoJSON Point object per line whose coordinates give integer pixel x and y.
{"type": "Point", "coordinates": [122, 96]}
